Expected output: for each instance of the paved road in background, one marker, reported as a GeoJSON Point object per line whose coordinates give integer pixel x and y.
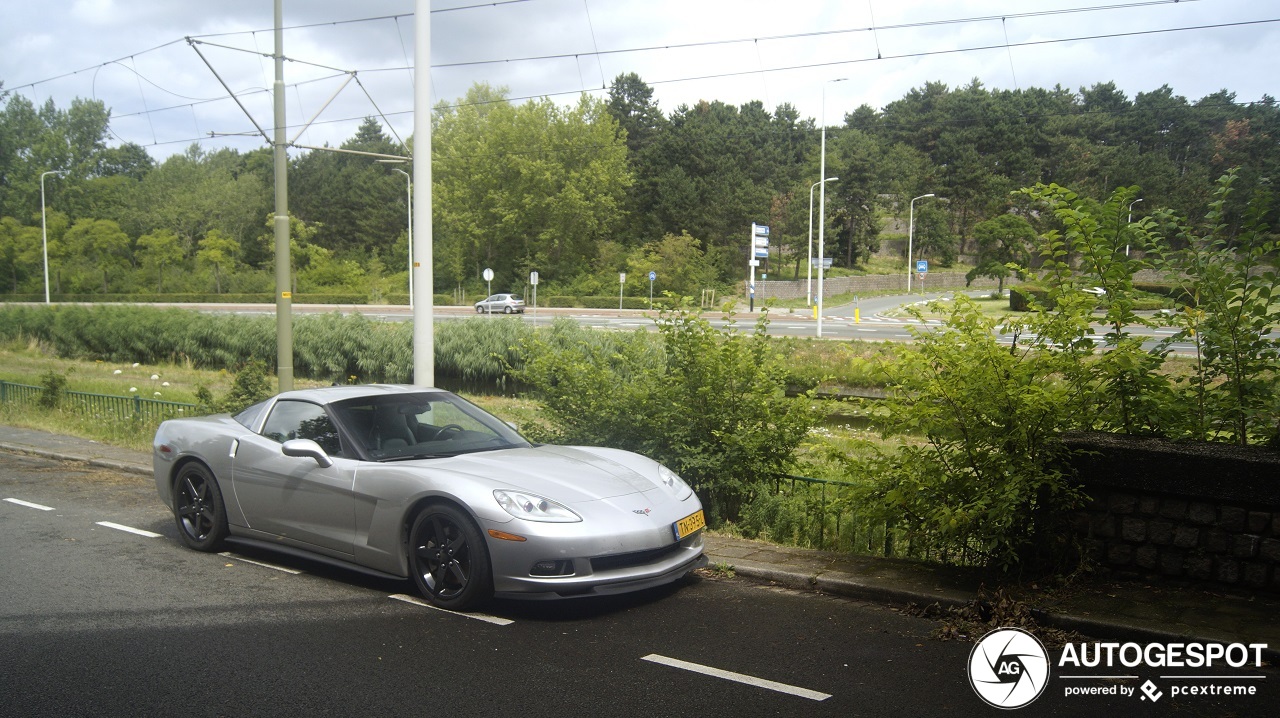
{"type": "Point", "coordinates": [876, 318]}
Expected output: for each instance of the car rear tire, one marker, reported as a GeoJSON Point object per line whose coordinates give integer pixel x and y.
{"type": "Point", "coordinates": [449, 558]}
{"type": "Point", "coordinates": [198, 508]}
{"type": "Point", "coordinates": [506, 310]}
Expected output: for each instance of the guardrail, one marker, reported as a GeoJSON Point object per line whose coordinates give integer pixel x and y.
{"type": "Point", "coordinates": [125, 407]}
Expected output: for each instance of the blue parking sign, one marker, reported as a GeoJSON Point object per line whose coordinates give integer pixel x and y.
{"type": "Point", "coordinates": [922, 265]}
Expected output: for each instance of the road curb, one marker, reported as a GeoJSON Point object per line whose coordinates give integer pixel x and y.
{"type": "Point", "coordinates": [843, 586]}
{"type": "Point", "coordinates": [849, 588]}
{"type": "Point", "coordinates": [61, 456]}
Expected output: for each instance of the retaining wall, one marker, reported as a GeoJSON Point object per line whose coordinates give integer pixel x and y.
{"type": "Point", "coordinates": [1200, 512]}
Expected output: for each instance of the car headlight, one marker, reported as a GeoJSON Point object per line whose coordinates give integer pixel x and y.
{"type": "Point", "coordinates": [532, 507]}
{"type": "Point", "coordinates": [674, 482]}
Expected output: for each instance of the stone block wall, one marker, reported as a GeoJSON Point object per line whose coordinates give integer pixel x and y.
{"type": "Point", "coordinates": [1205, 513]}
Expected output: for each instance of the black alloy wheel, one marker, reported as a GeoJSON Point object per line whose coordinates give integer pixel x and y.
{"type": "Point", "coordinates": [198, 508]}
{"type": "Point", "coordinates": [449, 559]}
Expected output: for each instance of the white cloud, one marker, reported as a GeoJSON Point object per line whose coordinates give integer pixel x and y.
{"type": "Point", "coordinates": [89, 33]}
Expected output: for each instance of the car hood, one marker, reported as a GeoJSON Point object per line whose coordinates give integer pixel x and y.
{"type": "Point", "coordinates": [567, 474]}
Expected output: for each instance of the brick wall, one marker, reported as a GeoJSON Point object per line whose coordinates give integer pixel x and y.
{"type": "Point", "coordinates": [1199, 512]}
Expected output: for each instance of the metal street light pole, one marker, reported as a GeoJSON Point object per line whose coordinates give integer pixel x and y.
{"type": "Point", "coordinates": [1131, 204]}
{"type": "Point", "coordinates": [822, 201]}
{"type": "Point", "coordinates": [409, 201]}
{"type": "Point", "coordinates": [808, 272]}
{"type": "Point", "coordinates": [911, 231]}
{"type": "Point", "coordinates": [44, 232]}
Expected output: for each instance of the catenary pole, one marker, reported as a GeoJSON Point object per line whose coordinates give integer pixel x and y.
{"type": "Point", "coordinates": [424, 358]}
{"type": "Point", "coordinates": [284, 296]}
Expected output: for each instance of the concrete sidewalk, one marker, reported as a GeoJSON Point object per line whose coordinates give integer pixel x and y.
{"type": "Point", "coordinates": [1099, 608]}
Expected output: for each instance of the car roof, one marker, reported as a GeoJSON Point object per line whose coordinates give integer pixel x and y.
{"type": "Point", "coordinates": [331, 394]}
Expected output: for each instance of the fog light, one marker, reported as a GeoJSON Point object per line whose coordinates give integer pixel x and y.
{"type": "Point", "coordinates": [551, 567]}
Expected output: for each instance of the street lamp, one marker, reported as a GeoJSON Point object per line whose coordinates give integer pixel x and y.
{"type": "Point", "coordinates": [911, 231]}
{"type": "Point", "coordinates": [808, 272]}
{"type": "Point", "coordinates": [44, 233]}
{"type": "Point", "coordinates": [409, 204]}
{"type": "Point", "coordinates": [1131, 204]}
{"type": "Point", "coordinates": [822, 201]}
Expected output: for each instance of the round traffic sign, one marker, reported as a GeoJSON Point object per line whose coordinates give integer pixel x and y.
{"type": "Point", "coordinates": [653, 276]}
{"type": "Point", "coordinates": [487, 274]}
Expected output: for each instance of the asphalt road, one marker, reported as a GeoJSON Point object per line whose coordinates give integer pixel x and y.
{"type": "Point", "coordinates": [97, 619]}
{"type": "Point", "coordinates": [839, 321]}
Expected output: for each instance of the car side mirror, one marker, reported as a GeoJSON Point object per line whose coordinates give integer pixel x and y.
{"type": "Point", "coordinates": [306, 448]}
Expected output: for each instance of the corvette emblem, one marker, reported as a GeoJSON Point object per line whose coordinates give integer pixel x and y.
{"type": "Point", "coordinates": [642, 512]}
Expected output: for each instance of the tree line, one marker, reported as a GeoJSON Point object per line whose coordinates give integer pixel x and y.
{"type": "Point", "coordinates": [582, 192]}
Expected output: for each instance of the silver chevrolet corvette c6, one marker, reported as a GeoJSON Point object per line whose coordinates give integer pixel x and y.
{"type": "Point", "coordinates": [401, 481]}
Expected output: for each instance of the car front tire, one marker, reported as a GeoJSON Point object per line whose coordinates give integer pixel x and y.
{"type": "Point", "coordinates": [449, 559]}
{"type": "Point", "coordinates": [198, 508]}
{"type": "Point", "coordinates": [479, 310]}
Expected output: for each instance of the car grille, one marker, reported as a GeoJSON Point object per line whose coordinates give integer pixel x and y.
{"type": "Point", "coordinates": [635, 558]}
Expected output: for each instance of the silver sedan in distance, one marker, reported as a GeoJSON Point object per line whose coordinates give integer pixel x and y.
{"type": "Point", "coordinates": [504, 303]}
{"type": "Point", "coordinates": [420, 484]}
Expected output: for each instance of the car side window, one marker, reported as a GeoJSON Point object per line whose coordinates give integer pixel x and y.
{"type": "Point", "coordinates": [302, 420]}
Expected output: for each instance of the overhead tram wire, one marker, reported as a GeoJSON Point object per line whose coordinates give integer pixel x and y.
{"type": "Point", "coordinates": [904, 56]}
{"type": "Point", "coordinates": [784, 69]}
{"type": "Point", "coordinates": [731, 74]}
{"type": "Point", "coordinates": [812, 34]}
{"type": "Point", "coordinates": [709, 43]}
{"type": "Point", "coordinates": [161, 46]}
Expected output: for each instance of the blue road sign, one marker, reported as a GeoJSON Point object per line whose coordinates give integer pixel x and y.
{"type": "Point", "coordinates": [922, 265]}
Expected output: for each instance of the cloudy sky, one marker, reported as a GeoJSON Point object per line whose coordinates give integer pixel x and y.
{"type": "Point", "coordinates": [134, 55]}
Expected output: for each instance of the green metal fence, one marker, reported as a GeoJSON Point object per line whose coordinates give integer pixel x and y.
{"type": "Point", "coordinates": [820, 513]}
{"type": "Point", "coordinates": [124, 407]}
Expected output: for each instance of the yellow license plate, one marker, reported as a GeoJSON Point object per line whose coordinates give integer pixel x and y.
{"type": "Point", "coordinates": [690, 524]}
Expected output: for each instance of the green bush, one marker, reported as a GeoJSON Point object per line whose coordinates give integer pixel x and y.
{"type": "Point", "coordinates": [474, 353]}
{"type": "Point", "coordinates": [54, 385]}
{"type": "Point", "coordinates": [612, 302]}
{"type": "Point", "coordinates": [560, 301]}
{"type": "Point", "coordinates": [1021, 296]}
{"type": "Point", "coordinates": [982, 477]}
{"type": "Point", "coordinates": [709, 404]}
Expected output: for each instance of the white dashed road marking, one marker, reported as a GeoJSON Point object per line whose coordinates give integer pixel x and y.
{"type": "Point", "coordinates": [128, 529]}
{"type": "Point", "coordinates": [264, 564]}
{"type": "Point", "coordinates": [478, 616]}
{"type": "Point", "coordinates": [737, 677]}
{"type": "Point", "coordinates": [30, 505]}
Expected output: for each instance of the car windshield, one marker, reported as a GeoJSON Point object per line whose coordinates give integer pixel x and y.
{"type": "Point", "coordinates": [423, 426]}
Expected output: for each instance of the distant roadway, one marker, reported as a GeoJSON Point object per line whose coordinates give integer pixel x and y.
{"type": "Point", "coordinates": [875, 318]}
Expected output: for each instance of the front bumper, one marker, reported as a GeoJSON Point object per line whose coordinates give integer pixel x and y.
{"type": "Point", "coordinates": [647, 559]}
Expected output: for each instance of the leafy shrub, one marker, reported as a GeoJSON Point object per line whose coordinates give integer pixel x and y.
{"type": "Point", "coordinates": [709, 404]}
{"type": "Point", "coordinates": [612, 302]}
{"type": "Point", "coordinates": [251, 385]}
{"type": "Point", "coordinates": [54, 388]}
{"type": "Point", "coordinates": [979, 473]}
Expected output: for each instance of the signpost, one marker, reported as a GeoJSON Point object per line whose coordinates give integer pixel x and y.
{"type": "Point", "coordinates": [922, 268]}
{"type": "Point", "coordinates": [533, 282]}
{"type": "Point", "coordinates": [652, 276]}
{"type": "Point", "coordinates": [488, 281]}
{"type": "Point", "coordinates": [759, 250]}
{"type": "Point", "coordinates": [622, 284]}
